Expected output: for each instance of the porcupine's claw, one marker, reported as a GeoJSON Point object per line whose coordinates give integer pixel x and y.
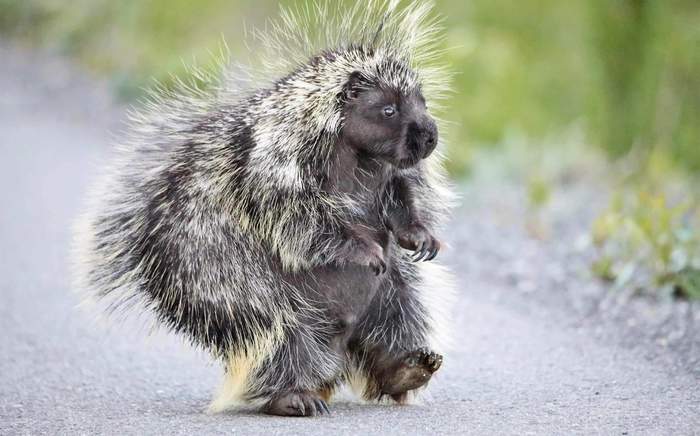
{"type": "Point", "coordinates": [429, 249]}
{"type": "Point", "coordinates": [379, 267]}
{"type": "Point", "coordinates": [376, 261]}
{"type": "Point", "coordinates": [431, 360]}
{"type": "Point", "coordinates": [322, 407]}
{"type": "Point", "coordinates": [296, 404]}
{"type": "Point", "coordinates": [413, 371]}
{"type": "Point", "coordinates": [418, 239]}
{"type": "Point", "coordinates": [421, 252]}
{"type": "Point", "coordinates": [368, 253]}
{"type": "Point", "coordinates": [433, 250]}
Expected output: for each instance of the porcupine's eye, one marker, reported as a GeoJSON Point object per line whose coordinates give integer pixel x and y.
{"type": "Point", "coordinates": [389, 111]}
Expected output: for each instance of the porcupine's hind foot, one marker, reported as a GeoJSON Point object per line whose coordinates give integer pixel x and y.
{"type": "Point", "coordinates": [296, 404]}
{"type": "Point", "coordinates": [413, 371]}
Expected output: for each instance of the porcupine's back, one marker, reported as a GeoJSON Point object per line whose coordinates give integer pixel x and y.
{"type": "Point", "coordinates": [168, 230]}
{"type": "Point", "coordinates": [157, 235]}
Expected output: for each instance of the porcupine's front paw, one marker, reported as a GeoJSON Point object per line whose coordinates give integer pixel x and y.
{"type": "Point", "coordinates": [296, 404]}
{"type": "Point", "coordinates": [367, 252]}
{"type": "Point", "coordinates": [413, 371]}
{"type": "Point", "coordinates": [417, 238]}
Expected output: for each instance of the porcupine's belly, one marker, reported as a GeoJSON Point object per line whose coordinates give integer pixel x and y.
{"type": "Point", "coordinates": [345, 293]}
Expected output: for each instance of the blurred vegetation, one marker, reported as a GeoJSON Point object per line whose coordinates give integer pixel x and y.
{"type": "Point", "coordinates": [648, 67]}
{"type": "Point", "coordinates": [626, 73]}
{"type": "Point", "coordinates": [647, 238]}
{"type": "Point", "coordinates": [131, 42]}
{"type": "Point", "coordinates": [628, 69]}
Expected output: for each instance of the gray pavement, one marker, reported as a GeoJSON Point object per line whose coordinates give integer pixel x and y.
{"type": "Point", "coordinates": [514, 370]}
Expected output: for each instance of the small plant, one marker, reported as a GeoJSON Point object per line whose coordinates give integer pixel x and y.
{"type": "Point", "coordinates": [539, 192]}
{"type": "Point", "coordinates": [649, 240]}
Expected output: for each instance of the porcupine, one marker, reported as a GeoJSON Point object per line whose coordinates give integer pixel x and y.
{"type": "Point", "coordinates": [284, 224]}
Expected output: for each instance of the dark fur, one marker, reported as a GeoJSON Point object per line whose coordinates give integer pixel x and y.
{"type": "Point", "coordinates": [356, 299]}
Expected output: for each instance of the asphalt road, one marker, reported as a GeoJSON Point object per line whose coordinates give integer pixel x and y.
{"type": "Point", "coordinates": [512, 372]}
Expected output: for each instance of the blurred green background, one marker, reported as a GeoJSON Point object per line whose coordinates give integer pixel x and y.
{"type": "Point", "coordinates": [628, 71]}
{"type": "Point", "coordinates": [624, 75]}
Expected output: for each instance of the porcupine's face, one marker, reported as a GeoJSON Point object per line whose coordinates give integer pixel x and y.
{"type": "Point", "coordinates": [387, 124]}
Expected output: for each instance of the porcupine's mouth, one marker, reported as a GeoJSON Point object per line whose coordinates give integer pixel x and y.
{"type": "Point", "coordinates": [411, 161]}
{"type": "Point", "coordinates": [407, 163]}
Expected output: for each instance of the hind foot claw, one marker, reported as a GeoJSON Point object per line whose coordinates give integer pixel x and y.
{"type": "Point", "coordinates": [414, 371]}
{"type": "Point", "coordinates": [296, 404]}
{"type": "Point", "coordinates": [425, 358]}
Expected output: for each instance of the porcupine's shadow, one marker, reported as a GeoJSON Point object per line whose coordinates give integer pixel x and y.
{"type": "Point", "coordinates": [349, 410]}
{"type": "Point", "coordinates": [344, 408]}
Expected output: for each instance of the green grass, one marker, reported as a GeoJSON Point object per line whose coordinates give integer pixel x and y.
{"type": "Point", "coordinates": [647, 241]}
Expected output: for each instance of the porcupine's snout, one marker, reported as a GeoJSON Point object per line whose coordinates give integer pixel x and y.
{"type": "Point", "coordinates": [421, 138]}
{"type": "Point", "coordinates": [430, 137]}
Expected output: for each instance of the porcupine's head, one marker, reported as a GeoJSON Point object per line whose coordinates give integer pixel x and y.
{"type": "Point", "coordinates": [385, 121]}
{"type": "Point", "coordinates": [361, 76]}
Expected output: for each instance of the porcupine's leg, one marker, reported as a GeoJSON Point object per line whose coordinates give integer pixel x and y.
{"type": "Point", "coordinates": [389, 350]}
{"type": "Point", "coordinates": [291, 380]}
{"type": "Point", "coordinates": [305, 371]}
{"type": "Point", "coordinates": [286, 364]}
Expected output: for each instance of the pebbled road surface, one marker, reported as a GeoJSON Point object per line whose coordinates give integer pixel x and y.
{"type": "Point", "coordinates": [517, 368]}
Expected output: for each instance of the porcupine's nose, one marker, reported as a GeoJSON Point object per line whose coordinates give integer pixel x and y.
{"type": "Point", "coordinates": [430, 137]}
{"type": "Point", "coordinates": [422, 138]}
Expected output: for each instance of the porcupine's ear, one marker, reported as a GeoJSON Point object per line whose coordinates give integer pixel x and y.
{"type": "Point", "coordinates": [353, 86]}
